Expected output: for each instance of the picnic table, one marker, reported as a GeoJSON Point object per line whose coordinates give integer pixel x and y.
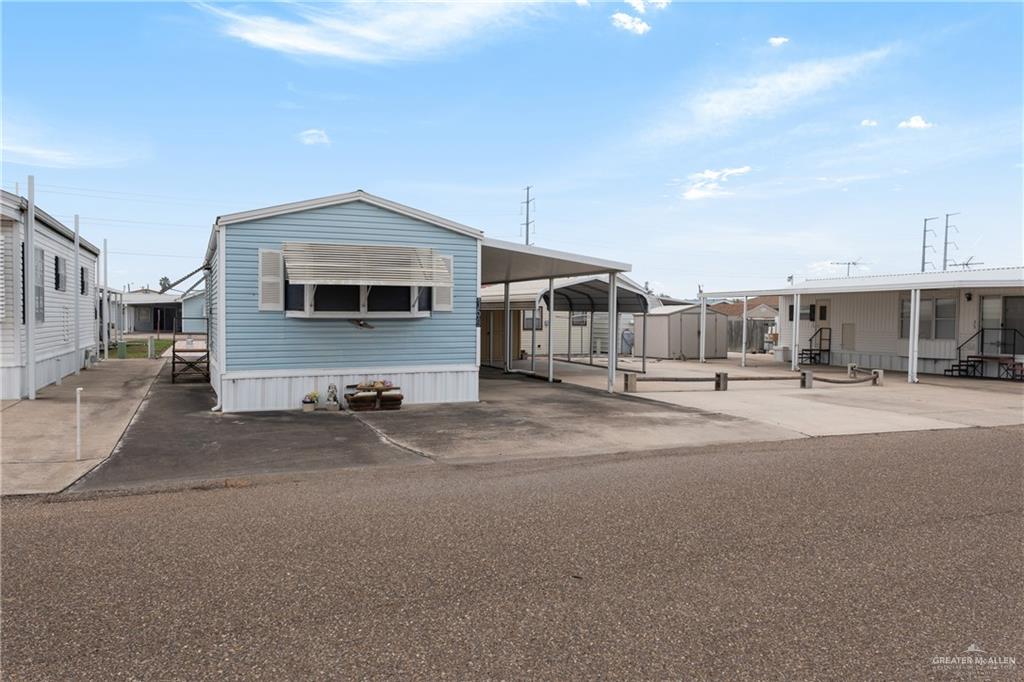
{"type": "Point", "coordinates": [373, 396]}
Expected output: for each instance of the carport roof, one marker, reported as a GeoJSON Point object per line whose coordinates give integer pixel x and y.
{"type": "Point", "coordinates": [963, 279]}
{"type": "Point", "coordinates": [579, 294]}
{"type": "Point", "coordinates": [503, 261]}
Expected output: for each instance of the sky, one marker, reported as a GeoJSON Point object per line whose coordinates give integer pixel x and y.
{"type": "Point", "coordinates": [722, 145]}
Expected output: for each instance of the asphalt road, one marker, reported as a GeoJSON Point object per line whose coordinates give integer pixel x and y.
{"type": "Point", "coordinates": [844, 558]}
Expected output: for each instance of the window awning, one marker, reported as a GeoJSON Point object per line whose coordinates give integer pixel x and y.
{"type": "Point", "coordinates": [376, 265]}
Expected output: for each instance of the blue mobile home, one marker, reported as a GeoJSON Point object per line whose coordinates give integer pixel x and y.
{"type": "Point", "coordinates": [339, 290]}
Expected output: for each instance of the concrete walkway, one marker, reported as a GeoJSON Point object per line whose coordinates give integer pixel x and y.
{"type": "Point", "coordinates": [827, 409]}
{"type": "Point", "coordinates": [37, 437]}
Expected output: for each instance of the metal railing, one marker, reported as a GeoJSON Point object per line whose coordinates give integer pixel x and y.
{"type": "Point", "coordinates": [994, 341]}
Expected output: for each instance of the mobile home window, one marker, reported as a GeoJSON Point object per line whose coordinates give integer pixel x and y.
{"type": "Point", "coordinates": [927, 319]}
{"type": "Point", "coordinates": [294, 296]}
{"type": "Point", "coordinates": [578, 320]}
{"type": "Point", "coordinates": [81, 282]}
{"type": "Point", "coordinates": [60, 275]}
{"type": "Point", "coordinates": [335, 298]}
{"type": "Point", "coordinates": [40, 286]}
{"type": "Point", "coordinates": [388, 299]}
{"type": "Point", "coordinates": [425, 299]}
{"type": "Point", "coordinates": [945, 318]}
{"type": "Point", "coordinates": [905, 318]}
{"type": "Point", "coordinates": [533, 323]}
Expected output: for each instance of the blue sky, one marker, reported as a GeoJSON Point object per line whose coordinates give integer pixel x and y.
{"type": "Point", "coordinates": [729, 145]}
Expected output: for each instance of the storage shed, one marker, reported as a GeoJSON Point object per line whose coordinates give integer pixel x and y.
{"type": "Point", "coordinates": [673, 332]}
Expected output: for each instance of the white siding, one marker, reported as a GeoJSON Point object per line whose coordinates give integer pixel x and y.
{"type": "Point", "coordinates": [55, 344]}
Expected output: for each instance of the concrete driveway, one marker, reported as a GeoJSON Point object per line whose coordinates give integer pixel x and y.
{"type": "Point", "coordinates": [175, 438]}
{"type": "Point", "coordinates": [38, 436]}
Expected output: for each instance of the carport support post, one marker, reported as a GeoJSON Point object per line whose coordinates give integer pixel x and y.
{"type": "Point", "coordinates": [743, 352]}
{"type": "Point", "coordinates": [915, 326]}
{"type": "Point", "coordinates": [508, 331]}
{"type": "Point", "coordinates": [794, 345]}
{"type": "Point", "coordinates": [551, 328]}
{"type": "Point", "coordinates": [703, 324]}
{"type": "Point", "coordinates": [613, 317]}
{"type": "Point", "coordinates": [643, 345]}
{"type": "Point", "coordinates": [533, 336]}
{"type": "Point", "coordinates": [591, 335]}
{"type": "Point", "coordinates": [76, 278]}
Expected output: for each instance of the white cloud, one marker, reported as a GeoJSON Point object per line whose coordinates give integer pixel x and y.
{"type": "Point", "coordinates": [37, 145]}
{"type": "Point", "coordinates": [869, 123]}
{"type": "Point", "coordinates": [583, 3]}
{"type": "Point", "coordinates": [778, 41]}
{"type": "Point", "coordinates": [314, 136]}
{"type": "Point", "coordinates": [708, 183]}
{"type": "Point", "coordinates": [760, 96]}
{"type": "Point", "coordinates": [916, 122]}
{"type": "Point", "coordinates": [638, 5]}
{"type": "Point", "coordinates": [630, 23]}
{"type": "Point", "coordinates": [659, 4]}
{"type": "Point", "coordinates": [369, 32]}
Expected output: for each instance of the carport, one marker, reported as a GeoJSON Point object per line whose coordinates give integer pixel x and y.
{"type": "Point", "coordinates": [504, 262]}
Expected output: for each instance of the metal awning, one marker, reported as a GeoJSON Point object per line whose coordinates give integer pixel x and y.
{"type": "Point", "coordinates": [369, 264]}
{"type": "Point", "coordinates": [503, 261]}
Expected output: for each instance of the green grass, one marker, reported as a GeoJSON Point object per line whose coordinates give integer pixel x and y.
{"type": "Point", "coordinates": [137, 349]}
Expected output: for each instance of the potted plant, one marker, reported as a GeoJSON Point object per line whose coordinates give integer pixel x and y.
{"type": "Point", "coordinates": [310, 401]}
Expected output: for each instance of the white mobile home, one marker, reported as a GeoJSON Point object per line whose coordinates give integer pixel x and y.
{"type": "Point", "coordinates": [48, 319]}
{"type": "Point", "coordinates": [148, 311]}
{"type": "Point", "coordinates": [959, 323]}
{"type": "Point", "coordinates": [673, 332]}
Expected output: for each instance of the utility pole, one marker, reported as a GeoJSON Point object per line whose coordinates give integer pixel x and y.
{"type": "Point", "coordinates": [924, 240]}
{"type": "Point", "coordinates": [528, 222]}
{"type": "Point", "coordinates": [946, 242]}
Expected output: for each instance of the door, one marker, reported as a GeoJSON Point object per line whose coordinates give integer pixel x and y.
{"type": "Point", "coordinates": [991, 323]}
{"type": "Point", "coordinates": [822, 313]}
{"type": "Point", "coordinates": [1013, 325]}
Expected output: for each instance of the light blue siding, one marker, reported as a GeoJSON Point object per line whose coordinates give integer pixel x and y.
{"type": "Point", "coordinates": [191, 310]}
{"type": "Point", "coordinates": [212, 289]}
{"type": "Point", "coordinates": [269, 340]}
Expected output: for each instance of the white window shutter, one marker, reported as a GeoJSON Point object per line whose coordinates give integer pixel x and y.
{"type": "Point", "coordinates": [443, 295]}
{"type": "Point", "coordinates": [271, 280]}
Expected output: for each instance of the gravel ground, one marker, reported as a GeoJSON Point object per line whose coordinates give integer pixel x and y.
{"type": "Point", "coordinates": [844, 558]}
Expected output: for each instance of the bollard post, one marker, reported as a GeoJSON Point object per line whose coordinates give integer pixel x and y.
{"type": "Point", "coordinates": [721, 381]}
{"type": "Point", "coordinates": [629, 379]}
{"type": "Point", "coordinates": [879, 377]}
{"type": "Point", "coordinates": [851, 370]}
{"type": "Point", "coordinates": [150, 348]}
{"type": "Point", "coordinates": [78, 424]}
{"type": "Point", "coordinates": [806, 378]}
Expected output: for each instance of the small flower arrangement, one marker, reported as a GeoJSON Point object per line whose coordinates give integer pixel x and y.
{"type": "Point", "coordinates": [312, 397]}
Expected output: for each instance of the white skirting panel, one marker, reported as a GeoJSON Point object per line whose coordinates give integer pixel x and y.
{"type": "Point", "coordinates": [888, 361]}
{"type": "Point", "coordinates": [14, 384]}
{"type": "Point", "coordinates": [279, 390]}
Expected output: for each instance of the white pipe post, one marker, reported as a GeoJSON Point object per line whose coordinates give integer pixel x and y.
{"type": "Point", "coordinates": [743, 352]}
{"type": "Point", "coordinates": [30, 286]}
{"type": "Point", "coordinates": [794, 345]}
{"type": "Point", "coordinates": [551, 328]}
{"type": "Point", "coordinates": [106, 305]}
{"type": "Point", "coordinates": [643, 346]}
{"type": "Point", "coordinates": [703, 326]}
{"type": "Point", "coordinates": [911, 368]}
{"type": "Point", "coordinates": [591, 321]}
{"type": "Point", "coordinates": [613, 315]}
{"type": "Point", "coordinates": [508, 330]}
{"type": "Point", "coordinates": [533, 337]}
{"type": "Point", "coordinates": [77, 296]}
{"type": "Point", "coordinates": [78, 424]}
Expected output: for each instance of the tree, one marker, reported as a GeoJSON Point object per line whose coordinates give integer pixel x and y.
{"type": "Point", "coordinates": [165, 283]}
